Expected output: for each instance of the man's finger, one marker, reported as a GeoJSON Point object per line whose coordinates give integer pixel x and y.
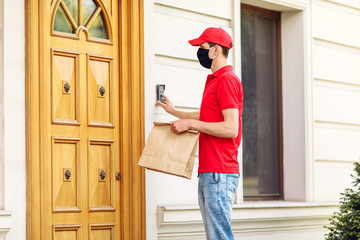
{"type": "Point", "coordinates": [161, 104]}
{"type": "Point", "coordinates": [165, 97]}
{"type": "Point", "coordinates": [172, 126]}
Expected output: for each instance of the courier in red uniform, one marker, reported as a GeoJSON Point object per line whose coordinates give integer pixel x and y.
{"type": "Point", "coordinates": [219, 123]}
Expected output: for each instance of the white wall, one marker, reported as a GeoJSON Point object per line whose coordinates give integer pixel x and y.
{"type": "Point", "coordinates": [321, 91]}
{"type": "Point", "coordinates": [171, 60]}
{"type": "Point", "coordinates": [14, 116]}
{"type": "Point", "coordinates": [1, 104]}
{"type": "Point", "coordinates": [336, 73]}
{"type": "Point", "coordinates": [5, 216]}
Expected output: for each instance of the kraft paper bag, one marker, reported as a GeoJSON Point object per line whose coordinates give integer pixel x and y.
{"type": "Point", "coordinates": [168, 152]}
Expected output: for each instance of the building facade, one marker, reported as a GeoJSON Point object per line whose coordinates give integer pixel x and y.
{"type": "Point", "coordinates": [297, 59]}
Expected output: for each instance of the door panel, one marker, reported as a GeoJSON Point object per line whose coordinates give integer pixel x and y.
{"type": "Point", "coordinates": [99, 91]}
{"type": "Point", "coordinates": [100, 176]}
{"type": "Point", "coordinates": [104, 232]}
{"type": "Point", "coordinates": [70, 232]}
{"type": "Point", "coordinates": [64, 86]}
{"type": "Point", "coordinates": [65, 175]}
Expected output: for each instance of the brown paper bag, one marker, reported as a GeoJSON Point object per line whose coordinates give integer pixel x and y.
{"type": "Point", "coordinates": [169, 152]}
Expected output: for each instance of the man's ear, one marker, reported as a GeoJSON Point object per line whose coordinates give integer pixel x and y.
{"type": "Point", "coordinates": [219, 49]}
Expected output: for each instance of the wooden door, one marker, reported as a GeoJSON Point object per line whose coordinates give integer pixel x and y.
{"type": "Point", "coordinates": [85, 119]}
{"type": "Point", "coordinates": [80, 119]}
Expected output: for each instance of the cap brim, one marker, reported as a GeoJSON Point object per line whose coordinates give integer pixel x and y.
{"type": "Point", "coordinates": [196, 41]}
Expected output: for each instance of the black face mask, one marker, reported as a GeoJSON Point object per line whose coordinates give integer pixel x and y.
{"type": "Point", "coordinates": [203, 56]}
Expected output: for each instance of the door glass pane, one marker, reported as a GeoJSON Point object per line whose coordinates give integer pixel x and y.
{"type": "Point", "coordinates": [98, 28]}
{"type": "Point", "coordinates": [89, 7]}
{"type": "Point", "coordinates": [62, 23]}
{"type": "Point", "coordinates": [261, 113]}
{"type": "Point", "coordinates": [73, 7]}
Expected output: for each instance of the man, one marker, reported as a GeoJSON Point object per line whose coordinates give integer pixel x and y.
{"type": "Point", "coordinates": [219, 123]}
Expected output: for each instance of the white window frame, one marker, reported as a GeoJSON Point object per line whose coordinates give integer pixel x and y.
{"type": "Point", "coordinates": [296, 94]}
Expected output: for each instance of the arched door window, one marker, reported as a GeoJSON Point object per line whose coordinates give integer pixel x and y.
{"type": "Point", "coordinates": [70, 17]}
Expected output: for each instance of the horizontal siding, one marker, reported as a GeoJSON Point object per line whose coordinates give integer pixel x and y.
{"type": "Point", "coordinates": [348, 3]}
{"type": "Point", "coordinates": [173, 32]}
{"type": "Point", "coordinates": [175, 64]}
{"type": "Point", "coordinates": [331, 178]}
{"type": "Point", "coordinates": [177, 191]}
{"type": "Point", "coordinates": [336, 23]}
{"type": "Point", "coordinates": [336, 95]}
{"type": "Point", "coordinates": [222, 9]}
{"type": "Point", "coordinates": [334, 63]}
{"type": "Point", "coordinates": [336, 103]}
{"type": "Point", "coordinates": [336, 143]}
{"type": "Point", "coordinates": [183, 85]}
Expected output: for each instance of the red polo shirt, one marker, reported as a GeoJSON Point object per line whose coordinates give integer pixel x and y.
{"type": "Point", "coordinates": [223, 90]}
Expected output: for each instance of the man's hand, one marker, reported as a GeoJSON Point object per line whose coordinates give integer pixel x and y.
{"type": "Point", "coordinates": [168, 106]}
{"type": "Point", "coordinates": [181, 125]}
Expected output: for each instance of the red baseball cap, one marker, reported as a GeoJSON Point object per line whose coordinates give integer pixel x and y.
{"type": "Point", "coordinates": [213, 35]}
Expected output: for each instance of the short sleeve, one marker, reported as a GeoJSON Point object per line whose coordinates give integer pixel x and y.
{"type": "Point", "coordinates": [229, 92]}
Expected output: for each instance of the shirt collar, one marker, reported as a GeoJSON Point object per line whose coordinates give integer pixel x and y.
{"type": "Point", "coordinates": [220, 71]}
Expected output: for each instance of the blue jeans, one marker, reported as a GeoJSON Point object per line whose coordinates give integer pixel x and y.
{"type": "Point", "coordinates": [216, 195]}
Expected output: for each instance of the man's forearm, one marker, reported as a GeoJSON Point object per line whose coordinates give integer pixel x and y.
{"type": "Point", "coordinates": [228, 128]}
{"type": "Point", "coordinates": [217, 129]}
{"type": "Point", "coordinates": [185, 115]}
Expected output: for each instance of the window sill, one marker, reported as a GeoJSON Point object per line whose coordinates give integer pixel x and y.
{"type": "Point", "coordinates": [256, 205]}
{"type": "Point", "coordinates": [283, 204]}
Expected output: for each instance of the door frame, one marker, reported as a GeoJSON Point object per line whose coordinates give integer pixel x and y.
{"type": "Point", "coordinates": [132, 122]}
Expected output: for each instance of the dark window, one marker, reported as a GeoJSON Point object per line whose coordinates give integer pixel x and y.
{"type": "Point", "coordinates": [262, 122]}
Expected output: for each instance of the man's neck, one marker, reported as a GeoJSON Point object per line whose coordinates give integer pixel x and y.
{"type": "Point", "coordinates": [218, 63]}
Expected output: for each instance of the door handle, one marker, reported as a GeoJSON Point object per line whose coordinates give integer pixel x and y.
{"type": "Point", "coordinates": [117, 176]}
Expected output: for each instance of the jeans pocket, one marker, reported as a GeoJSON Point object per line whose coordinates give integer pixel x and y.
{"type": "Point", "coordinates": [216, 177]}
{"type": "Point", "coordinates": [232, 182]}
